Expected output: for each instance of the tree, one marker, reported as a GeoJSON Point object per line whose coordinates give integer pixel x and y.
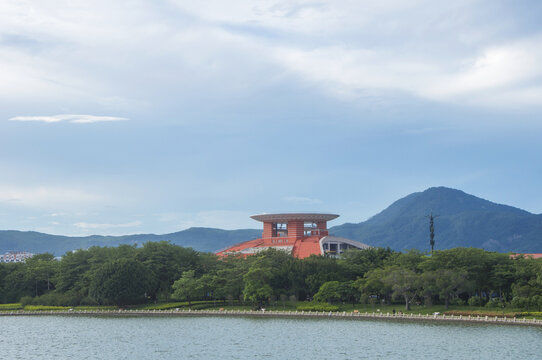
{"type": "Point", "coordinates": [330, 291]}
{"type": "Point", "coordinates": [186, 288]}
{"type": "Point", "coordinates": [482, 267]}
{"type": "Point", "coordinates": [40, 269]}
{"type": "Point", "coordinates": [446, 283]}
{"type": "Point", "coordinates": [257, 289]}
{"type": "Point", "coordinates": [228, 283]}
{"type": "Point", "coordinates": [121, 282]}
{"type": "Point", "coordinates": [14, 282]}
{"type": "Point", "coordinates": [374, 286]}
{"type": "Point", "coordinates": [167, 262]}
{"type": "Point", "coordinates": [403, 282]}
{"type": "Point", "coordinates": [358, 262]}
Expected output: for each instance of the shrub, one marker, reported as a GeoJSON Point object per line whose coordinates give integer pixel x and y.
{"type": "Point", "coordinates": [44, 308]}
{"type": "Point", "coordinates": [174, 305]}
{"type": "Point", "coordinates": [56, 299]}
{"type": "Point", "coordinates": [530, 313]}
{"type": "Point", "coordinates": [201, 306]}
{"type": "Point", "coordinates": [475, 301]}
{"type": "Point", "coordinates": [458, 302]}
{"type": "Point", "coordinates": [494, 303]}
{"type": "Point", "coordinates": [87, 301]}
{"type": "Point", "coordinates": [536, 302]}
{"type": "Point", "coordinates": [26, 300]}
{"type": "Point", "coordinates": [14, 306]}
{"type": "Point", "coordinates": [520, 302]}
{"type": "Point", "coordinates": [317, 306]}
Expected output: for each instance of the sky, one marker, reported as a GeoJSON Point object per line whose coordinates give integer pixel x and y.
{"type": "Point", "coordinates": [124, 117]}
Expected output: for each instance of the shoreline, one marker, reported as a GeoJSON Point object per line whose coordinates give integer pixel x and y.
{"type": "Point", "coordinates": [284, 314]}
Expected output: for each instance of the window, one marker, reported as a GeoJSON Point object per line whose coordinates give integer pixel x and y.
{"type": "Point", "coordinates": [279, 229]}
{"type": "Point", "coordinates": [309, 228]}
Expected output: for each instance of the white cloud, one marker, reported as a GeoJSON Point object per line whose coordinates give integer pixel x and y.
{"type": "Point", "coordinates": [92, 226]}
{"type": "Point", "coordinates": [47, 197]}
{"type": "Point", "coordinates": [498, 76]}
{"type": "Point", "coordinates": [443, 52]}
{"type": "Point", "coordinates": [72, 118]}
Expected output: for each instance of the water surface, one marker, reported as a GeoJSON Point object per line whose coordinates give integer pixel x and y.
{"type": "Point", "coordinates": [62, 337]}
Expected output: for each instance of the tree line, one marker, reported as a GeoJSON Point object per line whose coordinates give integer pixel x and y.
{"type": "Point", "coordinates": [160, 271]}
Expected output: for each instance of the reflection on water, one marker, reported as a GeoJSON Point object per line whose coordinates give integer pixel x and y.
{"type": "Point", "coordinates": [57, 337]}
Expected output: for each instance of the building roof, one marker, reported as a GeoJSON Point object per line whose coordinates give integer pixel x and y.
{"type": "Point", "coordinates": [285, 217]}
{"type": "Point", "coordinates": [532, 256]}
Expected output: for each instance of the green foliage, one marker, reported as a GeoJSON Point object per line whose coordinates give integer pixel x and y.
{"type": "Point", "coordinates": [202, 306]}
{"type": "Point", "coordinates": [334, 291]}
{"type": "Point", "coordinates": [53, 299]}
{"type": "Point", "coordinates": [537, 314]}
{"type": "Point", "coordinates": [45, 308]}
{"type": "Point", "coordinates": [317, 306]}
{"type": "Point", "coordinates": [158, 272]}
{"type": "Point", "coordinates": [257, 289]}
{"type": "Point", "coordinates": [171, 305]}
{"type": "Point", "coordinates": [121, 282]}
{"type": "Point", "coordinates": [14, 306]}
{"type": "Point", "coordinates": [186, 288]}
{"type": "Point", "coordinates": [358, 263]}
{"type": "Point", "coordinates": [475, 301]}
{"type": "Point", "coordinates": [167, 262]}
{"type": "Point", "coordinates": [403, 282]}
{"type": "Point", "coordinates": [495, 304]}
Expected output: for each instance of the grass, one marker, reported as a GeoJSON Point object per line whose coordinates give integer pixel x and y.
{"type": "Point", "coordinates": [174, 305]}
{"type": "Point", "coordinates": [11, 307]}
{"type": "Point", "coordinates": [45, 308]}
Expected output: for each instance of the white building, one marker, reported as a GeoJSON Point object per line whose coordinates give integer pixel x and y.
{"type": "Point", "coordinates": [15, 256]}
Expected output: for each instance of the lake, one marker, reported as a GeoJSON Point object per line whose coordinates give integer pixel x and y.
{"type": "Point", "coordinates": [62, 337]}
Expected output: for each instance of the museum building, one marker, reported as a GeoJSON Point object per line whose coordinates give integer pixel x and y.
{"type": "Point", "coordinates": [301, 234]}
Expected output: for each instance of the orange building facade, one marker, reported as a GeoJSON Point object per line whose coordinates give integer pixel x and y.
{"type": "Point", "coordinates": [300, 234]}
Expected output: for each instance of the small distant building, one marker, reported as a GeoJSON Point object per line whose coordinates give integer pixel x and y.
{"type": "Point", "coordinates": [15, 256]}
{"type": "Point", "coordinates": [532, 256]}
{"type": "Point", "coordinates": [300, 234]}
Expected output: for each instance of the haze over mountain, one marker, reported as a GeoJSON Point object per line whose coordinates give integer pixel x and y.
{"type": "Point", "coordinates": [198, 238]}
{"type": "Point", "coordinates": [462, 220]}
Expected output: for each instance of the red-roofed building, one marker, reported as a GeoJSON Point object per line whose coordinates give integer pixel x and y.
{"type": "Point", "coordinates": [301, 234]}
{"type": "Point", "coordinates": [532, 256]}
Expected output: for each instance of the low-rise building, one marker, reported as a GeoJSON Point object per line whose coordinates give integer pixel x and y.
{"type": "Point", "coordinates": [301, 234]}
{"type": "Point", "coordinates": [15, 256]}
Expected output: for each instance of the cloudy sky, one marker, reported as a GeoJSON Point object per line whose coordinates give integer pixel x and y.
{"type": "Point", "coordinates": [120, 117]}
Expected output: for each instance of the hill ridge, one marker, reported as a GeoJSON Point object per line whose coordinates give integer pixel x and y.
{"type": "Point", "coordinates": [464, 220]}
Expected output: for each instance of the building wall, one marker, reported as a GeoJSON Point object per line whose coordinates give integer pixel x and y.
{"type": "Point", "coordinates": [295, 229]}
{"type": "Point", "coordinates": [267, 230]}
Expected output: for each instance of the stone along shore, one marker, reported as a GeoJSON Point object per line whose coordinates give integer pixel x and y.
{"type": "Point", "coordinates": [285, 314]}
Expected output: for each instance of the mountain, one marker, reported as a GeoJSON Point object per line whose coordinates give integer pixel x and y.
{"type": "Point", "coordinates": [462, 220]}
{"type": "Point", "coordinates": [201, 239]}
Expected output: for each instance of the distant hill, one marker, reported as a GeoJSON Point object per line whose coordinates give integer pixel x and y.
{"type": "Point", "coordinates": [463, 220]}
{"type": "Point", "coordinates": [201, 239]}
